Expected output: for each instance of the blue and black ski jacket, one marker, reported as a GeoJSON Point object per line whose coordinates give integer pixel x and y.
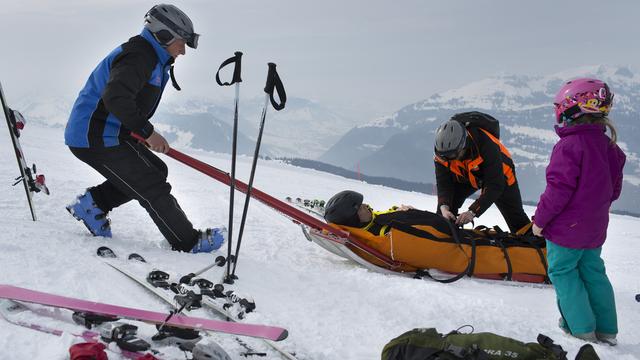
{"type": "Point", "coordinates": [121, 94]}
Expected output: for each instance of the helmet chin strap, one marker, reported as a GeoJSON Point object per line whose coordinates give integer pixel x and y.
{"type": "Point", "coordinates": [567, 115]}
{"type": "Point", "coordinates": [173, 79]}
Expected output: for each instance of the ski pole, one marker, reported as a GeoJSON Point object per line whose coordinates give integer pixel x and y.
{"type": "Point", "coordinates": [273, 83]}
{"type": "Point", "coordinates": [220, 261]}
{"type": "Point", "coordinates": [237, 60]}
{"type": "Point", "coordinates": [172, 313]}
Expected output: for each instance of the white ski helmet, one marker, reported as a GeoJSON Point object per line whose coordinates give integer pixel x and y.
{"type": "Point", "coordinates": [167, 22]}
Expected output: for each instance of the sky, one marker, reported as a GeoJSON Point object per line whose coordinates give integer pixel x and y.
{"type": "Point", "coordinates": [367, 57]}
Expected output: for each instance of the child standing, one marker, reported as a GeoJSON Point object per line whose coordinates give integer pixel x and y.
{"type": "Point", "coordinates": [584, 177]}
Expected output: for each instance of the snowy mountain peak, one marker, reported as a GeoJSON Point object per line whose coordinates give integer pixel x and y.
{"type": "Point", "coordinates": [615, 74]}
{"type": "Point", "coordinates": [513, 92]}
{"type": "Point", "coordinates": [524, 106]}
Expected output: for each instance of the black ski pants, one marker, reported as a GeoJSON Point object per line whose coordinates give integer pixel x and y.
{"type": "Point", "coordinates": [132, 171]}
{"type": "Point", "coordinates": [509, 204]}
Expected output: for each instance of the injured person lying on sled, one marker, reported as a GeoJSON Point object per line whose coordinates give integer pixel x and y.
{"type": "Point", "coordinates": [425, 240]}
{"type": "Point", "coordinates": [347, 208]}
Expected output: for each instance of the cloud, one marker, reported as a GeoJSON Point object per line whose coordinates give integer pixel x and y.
{"type": "Point", "coordinates": [375, 55]}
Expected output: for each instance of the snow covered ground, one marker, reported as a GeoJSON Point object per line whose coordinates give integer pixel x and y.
{"type": "Point", "coordinates": [333, 308]}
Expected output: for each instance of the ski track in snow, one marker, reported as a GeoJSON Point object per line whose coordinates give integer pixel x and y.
{"type": "Point", "coordinates": [332, 308]}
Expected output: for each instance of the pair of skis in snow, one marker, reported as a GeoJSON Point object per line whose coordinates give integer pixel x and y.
{"type": "Point", "coordinates": [108, 330]}
{"type": "Point", "coordinates": [37, 297]}
{"type": "Point", "coordinates": [180, 297]}
{"type": "Point", "coordinates": [190, 291]}
{"type": "Point", "coordinates": [33, 183]}
{"type": "Point", "coordinates": [314, 207]}
{"type": "Point", "coordinates": [107, 312]}
{"type": "Point", "coordinates": [14, 312]}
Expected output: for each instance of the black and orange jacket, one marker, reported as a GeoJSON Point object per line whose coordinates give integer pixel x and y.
{"type": "Point", "coordinates": [488, 167]}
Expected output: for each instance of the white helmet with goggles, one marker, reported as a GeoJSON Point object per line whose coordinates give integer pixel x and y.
{"type": "Point", "coordinates": [167, 23]}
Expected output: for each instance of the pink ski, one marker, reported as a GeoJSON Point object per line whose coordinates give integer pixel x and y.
{"type": "Point", "coordinates": [259, 331]}
{"type": "Point", "coordinates": [88, 336]}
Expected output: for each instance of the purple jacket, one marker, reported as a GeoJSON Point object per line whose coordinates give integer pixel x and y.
{"type": "Point", "coordinates": [584, 177]}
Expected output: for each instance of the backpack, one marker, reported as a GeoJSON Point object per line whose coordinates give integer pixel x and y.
{"type": "Point", "coordinates": [480, 120]}
{"type": "Point", "coordinates": [428, 344]}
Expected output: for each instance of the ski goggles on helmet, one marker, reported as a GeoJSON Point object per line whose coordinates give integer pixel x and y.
{"type": "Point", "coordinates": [191, 38]}
{"type": "Point", "coordinates": [192, 42]}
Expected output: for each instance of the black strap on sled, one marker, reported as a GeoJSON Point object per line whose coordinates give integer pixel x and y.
{"type": "Point", "coordinates": [500, 243]}
{"type": "Point", "coordinates": [409, 229]}
{"type": "Point", "coordinates": [455, 232]}
{"type": "Point", "coordinates": [530, 239]}
{"type": "Point", "coordinates": [507, 259]}
{"type": "Point", "coordinates": [509, 240]}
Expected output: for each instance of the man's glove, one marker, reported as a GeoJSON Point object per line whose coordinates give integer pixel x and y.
{"type": "Point", "coordinates": [158, 143]}
{"type": "Point", "coordinates": [465, 218]}
{"type": "Point", "coordinates": [404, 207]}
{"type": "Point", "coordinates": [444, 210]}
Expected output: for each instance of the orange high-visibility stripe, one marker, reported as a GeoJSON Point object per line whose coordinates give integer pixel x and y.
{"type": "Point", "coordinates": [464, 168]}
{"type": "Point", "coordinates": [508, 172]}
{"type": "Point", "coordinates": [503, 149]}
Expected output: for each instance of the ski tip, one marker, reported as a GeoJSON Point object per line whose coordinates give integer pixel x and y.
{"type": "Point", "coordinates": [105, 252]}
{"type": "Point", "coordinates": [137, 257]}
{"type": "Point", "coordinates": [283, 336]}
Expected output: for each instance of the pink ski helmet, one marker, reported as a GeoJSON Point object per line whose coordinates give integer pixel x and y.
{"type": "Point", "coordinates": [582, 96]}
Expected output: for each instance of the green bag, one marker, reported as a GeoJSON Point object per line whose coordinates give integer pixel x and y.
{"type": "Point", "coordinates": [428, 344]}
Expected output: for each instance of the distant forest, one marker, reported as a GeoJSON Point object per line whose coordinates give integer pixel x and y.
{"type": "Point", "coordinates": [425, 188]}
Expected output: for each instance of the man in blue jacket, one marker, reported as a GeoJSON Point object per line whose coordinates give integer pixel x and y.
{"type": "Point", "coordinates": [119, 98]}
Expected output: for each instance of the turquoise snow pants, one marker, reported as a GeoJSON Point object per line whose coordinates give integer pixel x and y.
{"type": "Point", "coordinates": [584, 293]}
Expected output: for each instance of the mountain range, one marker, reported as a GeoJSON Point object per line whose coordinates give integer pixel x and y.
{"type": "Point", "coordinates": [399, 145]}
{"type": "Point", "coordinates": [304, 129]}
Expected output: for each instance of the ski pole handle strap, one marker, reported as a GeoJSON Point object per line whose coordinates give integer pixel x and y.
{"type": "Point", "coordinates": [274, 82]}
{"type": "Point", "coordinates": [237, 60]}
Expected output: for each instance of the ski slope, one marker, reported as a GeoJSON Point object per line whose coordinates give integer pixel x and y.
{"type": "Point", "coordinates": [332, 308]}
